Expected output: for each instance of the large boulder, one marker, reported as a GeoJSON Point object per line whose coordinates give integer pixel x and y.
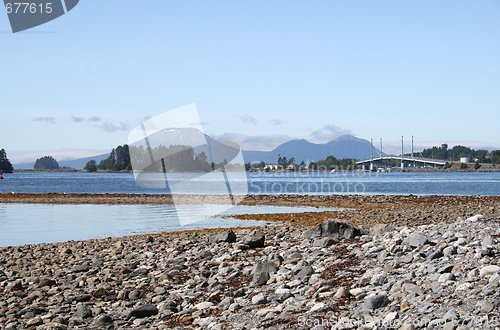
{"type": "Point", "coordinates": [227, 236]}
{"type": "Point", "coordinates": [375, 302]}
{"type": "Point", "coordinates": [144, 311]}
{"type": "Point", "coordinates": [254, 240]}
{"type": "Point", "coordinates": [416, 240]}
{"type": "Point", "coordinates": [334, 228]}
{"type": "Point", "coordinates": [262, 271]}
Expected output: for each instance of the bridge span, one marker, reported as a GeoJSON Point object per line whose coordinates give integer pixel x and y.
{"type": "Point", "coordinates": [406, 162]}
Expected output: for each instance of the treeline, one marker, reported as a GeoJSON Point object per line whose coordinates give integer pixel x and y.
{"type": "Point", "coordinates": [328, 163]}
{"type": "Point", "coordinates": [457, 152]}
{"type": "Point", "coordinates": [175, 158]}
{"type": "Point", "coordinates": [118, 160]}
{"type": "Point", "coordinates": [46, 163]}
{"type": "Point", "coordinates": [5, 164]}
{"type": "Point", "coordinates": [331, 162]}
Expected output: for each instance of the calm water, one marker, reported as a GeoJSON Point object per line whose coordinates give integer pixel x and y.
{"type": "Point", "coordinates": [435, 183]}
{"type": "Point", "coordinates": [26, 224]}
{"type": "Point", "coordinates": [34, 223]}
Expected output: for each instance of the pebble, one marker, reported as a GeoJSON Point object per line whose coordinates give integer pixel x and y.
{"type": "Point", "coordinates": [435, 272]}
{"type": "Point", "coordinates": [488, 270]}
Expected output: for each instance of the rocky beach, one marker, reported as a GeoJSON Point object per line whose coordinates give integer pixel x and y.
{"type": "Point", "coordinates": [388, 262]}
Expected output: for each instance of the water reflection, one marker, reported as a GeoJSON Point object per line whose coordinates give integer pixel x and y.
{"type": "Point", "coordinates": [33, 223]}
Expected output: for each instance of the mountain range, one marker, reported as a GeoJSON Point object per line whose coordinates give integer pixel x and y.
{"type": "Point", "coordinates": [345, 146]}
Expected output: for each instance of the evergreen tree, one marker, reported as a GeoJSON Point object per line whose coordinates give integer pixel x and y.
{"type": "Point", "coordinates": [46, 163]}
{"type": "Point", "coordinates": [5, 164]}
{"type": "Point", "coordinates": [91, 166]}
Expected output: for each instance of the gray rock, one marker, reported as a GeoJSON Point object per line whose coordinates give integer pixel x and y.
{"type": "Point", "coordinates": [487, 241]}
{"type": "Point", "coordinates": [134, 295]}
{"type": "Point", "coordinates": [144, 311]}
{"type": "Point", "coordinates": [103, 321]}
{"type": "Point", "coordinates": [262, 271]}
{"type": "Point", "coordinates": [316, 231]}
{"type": "Point", "coordinates": [34, 322]}
{"type": "Point", "coordinates": [324, 242]}
{"type": "Point", "coordinates": [450, 315]}
{"type": "Point", "coordinates": [443, 278]}
{"type": "Point", "coordinates": [375, 302]}
{"type": "Point", "coordinates": [486, 306]}
{"type": "Point", "coordinates": [416, 239]}
{"type": "Point", "coordinates": [304, 272]}
{"type": "Point", "coordinates": [335, 228]}
{"type": "Point", "coordinates": [80, 268]}
{"type": "Point", "coordinates": [254, 241]}
{"type": "Point", "coordinates": [445, 269]}
{"type": "Point", "coordinates": [435, 255]}
{"type": "Point", "coordinates": [379, 229]}
{"type": "Point", "coordinates": [226, 236]}
{"type": "Point", "coordinates": [46, 281]}
{"type": "Point", "coordinates": [412, 289]}
{"type": "Point", "coordinates": [139, 272]}
{"type": "Point", "coordinates": [449, 250]}
{"type": "Point", "coordinates": [83, 311]}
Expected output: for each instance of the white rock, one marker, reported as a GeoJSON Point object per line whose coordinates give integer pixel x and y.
{"type": "Point", "coordinates": [445, 277]}
{"type": "Point", "coordinates": [475, 218]}
{"type": "Point", "coordinates": [259, 299]}
{"type": "Point", "coordinates": [203, 305]}
{"type": "Point", "coordinates": [488, 270]}
{"type": "Point", "coordinates": [390, 317]}
{"type": "Point", "coordinates": [317, 307]}
{"type": "Point", "coordinates": [264, 311]}
{"type": "Point", "coordinates": [280, 291]}
{"type": "Point", "coordinates": [356, 292]}
{"type": "Point", "coordinates": [463, 287]}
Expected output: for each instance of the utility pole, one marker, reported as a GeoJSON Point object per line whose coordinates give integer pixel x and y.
{"type": "Point", "coordinates": [414, 164]}
{"type": "Point", "coordinates": [402, 153]}
{"type": "Point", "coordinates": [412, 146]}
{"type": "Point", "coordinates": [371, 159]}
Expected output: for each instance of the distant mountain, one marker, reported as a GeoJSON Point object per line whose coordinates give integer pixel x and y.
{"type": "Point", "coordinates": [345, 146]}
{"type": "Point", "coordinates": [216, 150]}
{"type": "Point", "coordinates": [80, 163]}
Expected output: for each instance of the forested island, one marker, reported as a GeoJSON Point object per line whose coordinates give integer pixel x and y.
{"type": "Point", "coordinates": [5, 165]}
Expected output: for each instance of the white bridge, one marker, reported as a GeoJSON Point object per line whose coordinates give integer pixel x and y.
{"type": "Point", "coordinates": [406, 161]}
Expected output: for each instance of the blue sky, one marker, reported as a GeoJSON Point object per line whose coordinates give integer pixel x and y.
{"type": "Point", "coordinates": [270, 69]}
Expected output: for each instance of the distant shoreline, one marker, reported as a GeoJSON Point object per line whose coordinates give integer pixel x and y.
{"type": "Point", "coordinates": [409, 170]}
{"type": "Point", "coordinates": [369, 209]}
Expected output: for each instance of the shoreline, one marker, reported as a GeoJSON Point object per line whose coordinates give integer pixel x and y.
{"type": "Point", "coordinates": [388, 261]}
{"type": "Point", "coordinates": [360, 210]}
{"type": "Point", "coordinates": [299, 275]}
